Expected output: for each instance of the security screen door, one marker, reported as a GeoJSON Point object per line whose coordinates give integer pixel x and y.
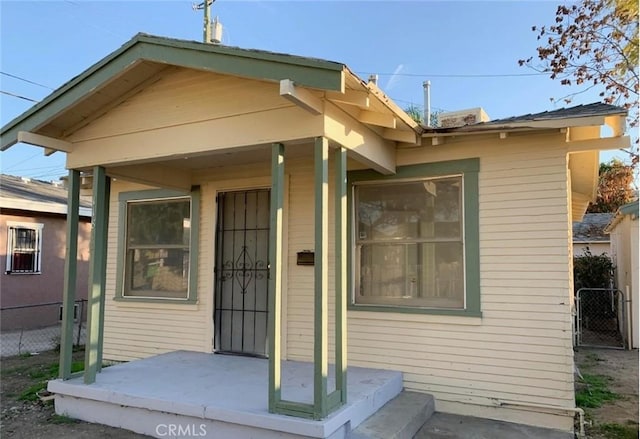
{"type": "Point", "coordinates": [241, 273]}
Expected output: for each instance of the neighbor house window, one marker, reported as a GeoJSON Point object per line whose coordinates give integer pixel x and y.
{"type": "Point", "coordinates": [158, 246]}
{"type": "Point", "coordinates": [415, 239]}
{"type": "Point", "coordinates": [24, 248]}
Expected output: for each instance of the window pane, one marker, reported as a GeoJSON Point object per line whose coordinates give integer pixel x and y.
{"type": "Point", "coordinates": [424, 274]}
{"type": "Point", "coordinates": [25, 239]}
{"type": "Point", "coordinates": [164, 222]}
{"type": "Point", "coordinates": [23, 261]}
{"type": "Point", "coordinates": [425, 209]}
{"type": "Point", "coordinates": [24, 250]}
{"type": "Point", "coordinates": [158, 272]}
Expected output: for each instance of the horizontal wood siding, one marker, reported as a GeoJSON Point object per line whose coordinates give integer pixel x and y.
{"type": "Point", "coordinates": [178, 114]}
{"type": "Point", "coordinates": [140, 329]}
{"type": "Point", "coordinates": [520, 350]}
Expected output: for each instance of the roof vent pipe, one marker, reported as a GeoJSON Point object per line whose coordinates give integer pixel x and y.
{"type": "Point", "coordinates": [373, 79]}
{"type": "Point", "coordinates": [426, 85]}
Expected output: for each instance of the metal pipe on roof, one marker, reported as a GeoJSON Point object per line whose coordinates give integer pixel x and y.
{"type": "Point", "coordinates": [426, 85]}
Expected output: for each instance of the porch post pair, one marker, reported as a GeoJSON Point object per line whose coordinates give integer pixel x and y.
{"type": "Point", "coordinates": [323, 403]}
{"type": "Point", "coordinates": [97, 275]}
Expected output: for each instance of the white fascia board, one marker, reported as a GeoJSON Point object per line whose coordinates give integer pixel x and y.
{"type": "Point", "coordinates": [39, 206]}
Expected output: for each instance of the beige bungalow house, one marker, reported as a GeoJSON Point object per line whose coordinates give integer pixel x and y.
{"type": "Point", "coordinates": [276, 206]}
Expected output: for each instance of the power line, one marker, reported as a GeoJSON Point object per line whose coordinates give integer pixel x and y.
{"type": "Point", "coordinates": [428, 75]}
{"type": "Point", "coordinates": [22, 161]}
{"type": "Point", "coordinates": [17, 96]}
{"type": "Point", "coordinates": [25, 80]}
{"type": "Point", "coordinates": [39, 168]}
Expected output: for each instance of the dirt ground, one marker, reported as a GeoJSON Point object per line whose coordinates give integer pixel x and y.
{"type": "Point", "coordinates": [621, 368]}
{"type": "Point", "coordinates": [22, 419]}
{"type": "Point", "coordinates": [35, 419]}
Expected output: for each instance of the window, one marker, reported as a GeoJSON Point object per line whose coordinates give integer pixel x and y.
{"type": "Point", "coordinates": [415, 239]}
{"type": "Point", "coordinates": [159, 241]}
{"type": "Point", "coordinates": [24, 248]}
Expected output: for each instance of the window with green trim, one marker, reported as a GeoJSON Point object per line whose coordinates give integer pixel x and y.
{"type": "Point", "coordinates": [158, 244]}
{"type": "Point", "coordinates": [415, 238]}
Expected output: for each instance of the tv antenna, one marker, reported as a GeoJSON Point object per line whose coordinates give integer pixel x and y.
{"type": "Point", "coordinates": [212, 31]}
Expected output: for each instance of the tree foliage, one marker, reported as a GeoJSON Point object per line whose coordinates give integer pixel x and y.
{"type": "Point", "coordinates": [417, 115]}
{"type": "Point", "coordinates": [614, 187]}
{"type": "Point", "coordinates": [592, 271]}
{"type": "Point", "coordinates": [593, 43]}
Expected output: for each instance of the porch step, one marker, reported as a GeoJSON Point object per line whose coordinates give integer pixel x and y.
{"type": "Point", "coordinates": [400, 418]}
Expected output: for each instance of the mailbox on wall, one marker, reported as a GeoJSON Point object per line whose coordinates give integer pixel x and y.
{"type": "Point", "coordinates": [306, 257]}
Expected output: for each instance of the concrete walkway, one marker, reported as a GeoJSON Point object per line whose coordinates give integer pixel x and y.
{"type": "Point", "coordinates": [445, 426]}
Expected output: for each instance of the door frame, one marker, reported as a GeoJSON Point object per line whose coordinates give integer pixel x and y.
{"type": "Point", "coordinates": [246, 184]}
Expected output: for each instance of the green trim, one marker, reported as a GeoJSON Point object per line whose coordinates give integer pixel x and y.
{"type": "Point", "coordinates": [97, 275]}
{"type": "Point", "coordinates": [150, 194]}
{"type": "Point", "coordinates": [70, 274]}
{"type": "Point", "coordinates": [105, 239]}
{"type": "Point", "coordinates": [293, 408]}
{"type": "Point", "coordinates": [629, 209]}
{"type": "Point", "coordinates": [261, 65]}
{"type": "Point", "coordinates": [414, 310]}
{"type": "Point", "coordinates": [469, 168]}
{"type": "Point", "coordinates": [194, 243]}
{"type": "Point", "coordinates": [125, 299]}
{"type": "Point", "coordinates": [320, 309]}
{"type": "Point", "coordinates": [275, 275]}
{"type": "Point", "coordinates": [341, 290]}
{"type": "Point", "coordinates": [334, 400]}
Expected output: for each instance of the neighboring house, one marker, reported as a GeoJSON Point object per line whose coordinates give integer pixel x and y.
{"type": "Point", "coordinates": [213, 168]}
{"type": "Point", "coordinates": [623, 230]}
{"type": "Point", "coordinates": [32, 236]}
{"type": "Point", "coordinates": [589, 234]}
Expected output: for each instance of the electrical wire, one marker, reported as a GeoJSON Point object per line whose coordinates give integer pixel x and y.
{"type": "Point", "coordinates": [456, 75]}
{"type": "Point", "coordinates": [8, 93]}
{"type": "Point", "coordinates": [22, 161]}
{"type": "Point", "coordinates": [25, 80]}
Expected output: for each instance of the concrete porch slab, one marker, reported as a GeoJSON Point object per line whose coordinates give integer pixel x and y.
{"type": "Point", "coordinates": [225, 394]}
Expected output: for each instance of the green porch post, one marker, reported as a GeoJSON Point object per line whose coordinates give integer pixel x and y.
{"type": "Point", "coordinates": [321, 224]}
{"type": "Point", "coordinates": [70, 274]}
{"type": "Point", "coordinates": [103, 269]}
{"type": "Point", "coordinates": [341, 272]}
{"type": "Point", "coordinates": [97, 275]}
{"type": "Point", "coordinates": [275, 273]}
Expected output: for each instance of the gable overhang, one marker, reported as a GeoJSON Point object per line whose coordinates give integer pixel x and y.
{"type": "Point", "coordinates": [352, 113]}
{"type": "Point", "coordinates": [581, 132]}
{"type": "Point", "coordinates": [138, 63]}
{"type": "Point", "coordinates": [579, 136]}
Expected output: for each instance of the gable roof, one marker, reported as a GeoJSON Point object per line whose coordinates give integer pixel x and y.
{"type": "Point", "coordinates": [630, 209]}
{"type": "Point", "coordinates": [21, 193]}
{"type": "Point", "coordinates": [592, 228]}
{"type": "Point", "coordinates": [140, 59]}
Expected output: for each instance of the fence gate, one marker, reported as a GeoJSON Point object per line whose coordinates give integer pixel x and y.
{"type": "Point", "coordinates": [601, 318]}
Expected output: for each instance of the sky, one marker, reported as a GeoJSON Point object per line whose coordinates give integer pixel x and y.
{"type": "Point", "coordinates": [469, 50]}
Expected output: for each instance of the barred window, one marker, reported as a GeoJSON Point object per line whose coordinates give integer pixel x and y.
{"type": "Point", "coordinates": [24, 248]}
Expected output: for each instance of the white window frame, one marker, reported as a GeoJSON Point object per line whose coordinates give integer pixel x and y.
{"type": "Point", "coordinates": [38, 228]}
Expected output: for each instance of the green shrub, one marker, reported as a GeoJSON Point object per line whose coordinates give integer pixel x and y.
{"type": "Point", "coordinates": [592, 271]}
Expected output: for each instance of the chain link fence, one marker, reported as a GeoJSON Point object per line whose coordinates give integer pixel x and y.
{"type": "Point", "coordinates": [27, 329]}
{"type": "Point", "coordinates": [601, 318]}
